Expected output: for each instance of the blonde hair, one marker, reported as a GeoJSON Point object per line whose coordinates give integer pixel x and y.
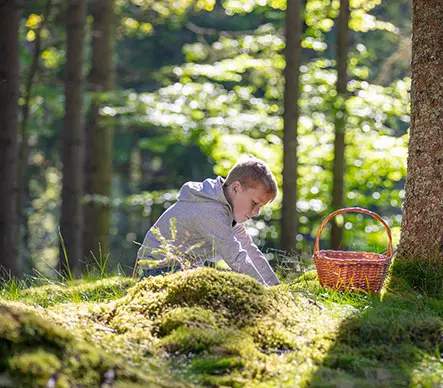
{"type": "Point", "coordinates": [251, 172]}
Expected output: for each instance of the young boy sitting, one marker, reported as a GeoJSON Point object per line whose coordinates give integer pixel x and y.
{"type": "Point", "coordinates": [208, 220]}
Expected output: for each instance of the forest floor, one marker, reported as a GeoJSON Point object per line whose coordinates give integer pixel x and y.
{"type": "Point", "coordinates": [211, 328]}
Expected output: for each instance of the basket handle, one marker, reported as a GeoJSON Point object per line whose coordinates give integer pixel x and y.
{"type": "Point", "coordinates": [354, 210]}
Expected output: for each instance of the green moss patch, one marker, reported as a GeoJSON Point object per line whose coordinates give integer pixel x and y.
{"type": "Point", "coordinates": [97, 291]}
{"type": "Point", "coordinates": [212, 328]}
{"type": "Point", "coordinates": [225, 321]}
{"type": "Point", "coordinates": [424, 276]}
{"type": "Point", "coordinates": [35, 352]}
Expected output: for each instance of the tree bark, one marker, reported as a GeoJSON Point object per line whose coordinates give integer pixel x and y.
{"type": "Point", "coordinates": [99, 136]}
{"type": "Point", "coordinates": [71, 223]}
{"type": "Point", "coordinates": [422, 224]}
{"type": "Point", "coordinates": [9, 90]}
{"type": "Point", "coordinates": [23, 189]}
{"type": "Point", "coordinates": [340, 122]}
{"type": "Point", "coordinates": [290, 117]}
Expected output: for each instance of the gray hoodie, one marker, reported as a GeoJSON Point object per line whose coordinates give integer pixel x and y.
{"type": "Point", "coordinates": [204, 224]}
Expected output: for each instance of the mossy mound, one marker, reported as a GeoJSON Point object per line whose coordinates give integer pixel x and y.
{"type": "Point", "coordinates": [35, 352]}
{"type": "Point", "coordinates": [203, 299]}
{"type": "Point", "coordinates": [220, 327]}
{"type": "Point", "coordinates": [209, 328]}
{"type": "Point", "coordinates": [237, 296]}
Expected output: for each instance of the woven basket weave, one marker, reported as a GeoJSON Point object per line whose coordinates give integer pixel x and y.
{"type": "Point", "coordinates": [352, 271]}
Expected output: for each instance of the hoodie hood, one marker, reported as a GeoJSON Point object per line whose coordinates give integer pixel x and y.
{"type": "Point", "coordinates": [208, 190]}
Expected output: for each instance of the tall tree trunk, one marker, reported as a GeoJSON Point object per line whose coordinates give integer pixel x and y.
{"type": "Point", "coordinates": [9, 90]}
{"type": "Point", "coordinates": [422, 224]}
{"type": "Point", "coordinates": [340, 121]}
{"type": "Point", "coordinates": [71, 223]}
{"type": "Point", "coordinates": [22, 242]}
{"type": "Point", "coordinates": [99, 136]}
{"type": "Point", "coordinates": [290, 118]}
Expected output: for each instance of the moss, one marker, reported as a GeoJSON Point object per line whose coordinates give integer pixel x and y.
{"type": "Point", "coordinates": [196, 314]}
{"type": "Point", "coordinates": [231, 297]}
{"type": "Point", "coordinates": [424, 276]}
{"type": "Point", "coordinates": [35, 352]}
{"type": "Point", "coordinates": [34, 367]}
{"type": "Point", "coordinates": [39, 349]}
{"type": "Point", "coordinates": [216, 365]}
{"type": "Point", "coordinates": [9, 325]}
{"type": "Point", "coordinates": [213, 328]}
{"type": "Point", "coordinates": [194, 340]}
{"type": "Point", "coordinates": [194, 317]}
{"type": "Point", "coordinates": [422, 331]}
{"type": "Point", "coordinates": [241, 297]}
{"type": "Point", "coordinates": [22, 327]}
{"type": "Point", "coordinates": [226, 342]}
{"type": "Point", "coordinates": [271, 335]}
{"type": "Point", "coordinates": [308, 282]}
{"type": "Point", "coordinates": [237, 296]}
{"type": "Point", "coordinates": [327, 377]}
{"type": "Point", "coordinates": [98, 291]}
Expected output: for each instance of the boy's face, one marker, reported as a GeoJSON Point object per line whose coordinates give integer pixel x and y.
{"type": "Point", "coordinates": [247, 201]}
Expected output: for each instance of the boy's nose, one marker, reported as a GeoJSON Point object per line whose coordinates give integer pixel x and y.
{"type": "Point", "coordinates": [255, 212]}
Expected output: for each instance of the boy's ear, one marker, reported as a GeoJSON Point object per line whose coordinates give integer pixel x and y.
{"type": "Point", "coordinates": [236, 186]}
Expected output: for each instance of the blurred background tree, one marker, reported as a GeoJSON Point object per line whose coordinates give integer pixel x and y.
{"type": "Point", "coordinates": [181, 89]}
{"type": "Point", "coordinates": [99, 136]}
{"type": "Point", "coordinates": [73, 141]}
{"type": "Point", "coordinates": [338, 169]}
{"type": "Point", "coordinates": [291, 114]}
{"type": "Point", "coordinates": [9, 84]}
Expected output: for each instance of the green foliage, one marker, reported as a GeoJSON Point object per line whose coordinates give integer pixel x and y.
{"type": "Point", "coordinates": [203, 82]}
{"type": "Point", "coordinates": [251, 123]}
{"type": "Point", "coordinates": [160, 11]}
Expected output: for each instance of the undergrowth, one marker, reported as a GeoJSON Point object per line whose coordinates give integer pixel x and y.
{"type": "Point", "coordinates": [213, 328]}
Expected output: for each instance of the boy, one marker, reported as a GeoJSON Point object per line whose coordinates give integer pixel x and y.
{"type": "Point", "coordinates": [208, 220]}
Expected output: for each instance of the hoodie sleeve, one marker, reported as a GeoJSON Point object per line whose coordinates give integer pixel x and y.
{"type": "Point", "coordinates": [258, 259]}
{"type": "Point", "coordinates": [225, 244]}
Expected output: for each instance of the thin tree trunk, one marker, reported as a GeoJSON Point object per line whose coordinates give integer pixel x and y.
{"type": "Point", "coordinates": [99, 137]}
{"type": "Point", "coordinates": [290, 118]}
{"type": "Point", "coordinates": [422, 224]}
{"type": "Point", "coordinates": [22, 243]}
{"type": "Point", "coordinates": [340, 121]}
{"type": "Point", "coordinates": [9, 90]}
{"type": "Point", "coordinates": [71, 223]}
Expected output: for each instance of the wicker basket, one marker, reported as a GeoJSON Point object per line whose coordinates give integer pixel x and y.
{"type": "Point", "coordinates": [352, 271]}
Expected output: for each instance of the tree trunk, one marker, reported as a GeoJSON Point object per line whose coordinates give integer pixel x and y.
{"type": "Point", "coordinates": [9, 90]}
{"type": "Point", "coordinates": [99, 136]}
{"type": "Point", "coordinates": [71, 223]}
{"type": "Point", "coordinates": [422, 224]}
{"type": "Point", "coordinates": [340, 122]}
{"type": "Point", "coordinates": [290, 118]}
{"type": "Point", "coordinates": [23, 189]}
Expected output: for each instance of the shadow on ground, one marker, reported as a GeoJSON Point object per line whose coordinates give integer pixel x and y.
{"type": "Point", "coordinates": [393, 340]}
